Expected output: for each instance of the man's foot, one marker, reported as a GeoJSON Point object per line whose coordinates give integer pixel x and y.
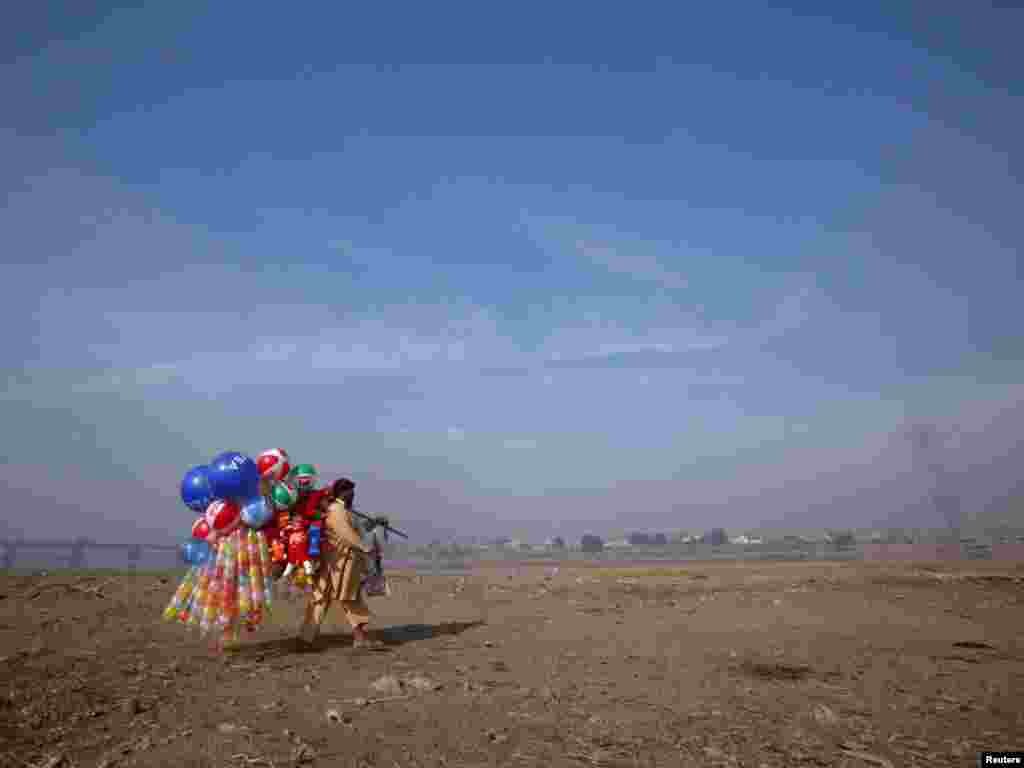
{"type": "Point", "coordinates": [309, 633]}
{"type": "Point", "coordinates": [368, 644]}
{"type": "Point", "coordinates": [362, 639]}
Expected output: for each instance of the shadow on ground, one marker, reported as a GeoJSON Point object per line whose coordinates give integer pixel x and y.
{"type": "Point", "coordinates": [408, 633]}
{"type": "Point", "coordinates": [391, 636]}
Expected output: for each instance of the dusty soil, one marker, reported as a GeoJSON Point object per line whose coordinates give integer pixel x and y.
{"type": "Point", "coordinates": [767, 664]}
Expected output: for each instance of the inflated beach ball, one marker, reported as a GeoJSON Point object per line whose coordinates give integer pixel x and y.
{"type": "Point", "coordinates": [195, 488]}
{"type": "Point", "coordinates": [257, 513]}
{"type": "Point", "coordinates": [274, 464]}
{"type": "Point", "coordinates": [223, 516]}
{"type": "Point", "coordinates": [304, 477]}
{"type": "Point", "coordinates": [283, 496]}
{"type": "Point", "coordinates": [194, 552]}
{"type": "Point", "coordinates": [234, 475]}
{"type": "Point", "coordinates": [201, 529]}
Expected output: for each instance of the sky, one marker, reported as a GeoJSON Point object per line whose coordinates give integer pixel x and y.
{"type": "Point", "coordinates": [528, 269]}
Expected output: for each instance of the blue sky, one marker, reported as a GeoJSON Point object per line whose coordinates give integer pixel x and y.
{"type": "Point", "coordinates": [533, 269]}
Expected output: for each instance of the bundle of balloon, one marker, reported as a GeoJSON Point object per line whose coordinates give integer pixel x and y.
{"type": "Point", "coordinates": [228, 583]}
{"type": "Point", "coordinates": [295, 549]}
{"type": "Point", "coordinates": [257, 519]}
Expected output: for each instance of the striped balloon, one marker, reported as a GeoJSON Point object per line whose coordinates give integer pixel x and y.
{"type": "Point", "coordinates": [273, 464]}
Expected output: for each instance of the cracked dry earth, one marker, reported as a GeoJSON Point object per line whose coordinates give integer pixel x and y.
{"type": "Point", "coordinates": [732, 664]}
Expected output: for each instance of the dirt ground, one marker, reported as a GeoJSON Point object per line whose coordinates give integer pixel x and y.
{"type": "Point", "coordinates": [743, 664]}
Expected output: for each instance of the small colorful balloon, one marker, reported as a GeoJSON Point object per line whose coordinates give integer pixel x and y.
{"type": "Point", "coordinates": [195, 552]}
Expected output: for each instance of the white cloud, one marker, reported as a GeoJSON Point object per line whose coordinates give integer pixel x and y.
{"type": "Point", "coordinates": [420, 340]}
{"type": "Point", "coordinates": [669, 328]}
{"type": "Point", "coordinates": [599, 337]}
{"type": "Point", "coordinates": [633, 261]}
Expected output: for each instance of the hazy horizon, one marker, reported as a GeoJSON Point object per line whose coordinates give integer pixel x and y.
{"type": "Point", "coordinates": [585, 270]}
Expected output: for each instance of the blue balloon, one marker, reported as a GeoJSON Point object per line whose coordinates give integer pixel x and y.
{"type": "Point", "coordinates": [234, 475]}
{"type": "Point", "coordinates": [257, 512]}
{"type": "Point", "coordinates": [195, 489]}
{"type": "Point", "coordinates": [196, 552]}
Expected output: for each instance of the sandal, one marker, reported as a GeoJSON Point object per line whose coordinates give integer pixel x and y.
{"type": "Point", "coordinates": [367, 642]}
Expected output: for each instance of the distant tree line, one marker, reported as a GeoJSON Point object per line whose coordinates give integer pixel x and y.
{"type": "Point", "coordinates": [838, 540]}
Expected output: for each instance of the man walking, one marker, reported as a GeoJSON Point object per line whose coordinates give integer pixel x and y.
{"type": "Point", "coordinates": [344, 562]}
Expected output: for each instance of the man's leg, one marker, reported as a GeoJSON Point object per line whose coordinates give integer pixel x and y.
{"type": "Point", "coordinates": [317, 606]}
{"type": "Point", "coordinates": [358, 615]}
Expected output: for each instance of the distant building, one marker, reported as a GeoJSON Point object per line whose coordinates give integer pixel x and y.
{"type": "Point", "coordinates": [840, 540]}
{"type": "Point", "coordinates": [743, 539]}
{"type": "Point", "coordinates": [590, 543]}
{"type": "Point", "coordinates": [638, 539]}
{"type": "Point", "coordinates": [715, 537]}
{"type": "Point", "coordinates": [555, 544]}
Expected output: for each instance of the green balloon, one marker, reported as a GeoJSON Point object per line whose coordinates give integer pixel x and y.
{"type": "Point", "coordinates": [304, 476]}
{"type": "Point", "coordinates": [283, 496]}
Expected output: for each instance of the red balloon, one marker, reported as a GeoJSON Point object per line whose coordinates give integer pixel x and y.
{"type": "Point", "coordinates": [200, 529]}
{"type": "Point", "coordinates": [298, 545]}
{"type": "Point", "coordinates": [221, 515]}
{"type": "Point", "coordinates": [309, 507]}
{"type": "Point", "coordinates": [273, 464]}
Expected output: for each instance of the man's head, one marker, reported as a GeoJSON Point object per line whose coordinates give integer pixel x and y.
{"type": "Point", "coordinates": [344, 489]}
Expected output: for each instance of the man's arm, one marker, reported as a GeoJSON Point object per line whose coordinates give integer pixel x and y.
{"type": "Point", "coordinates": [339, 529]}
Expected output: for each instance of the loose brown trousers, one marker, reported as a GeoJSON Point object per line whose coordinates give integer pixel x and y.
{"type": "Point", "coordinates": [340, 577]}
